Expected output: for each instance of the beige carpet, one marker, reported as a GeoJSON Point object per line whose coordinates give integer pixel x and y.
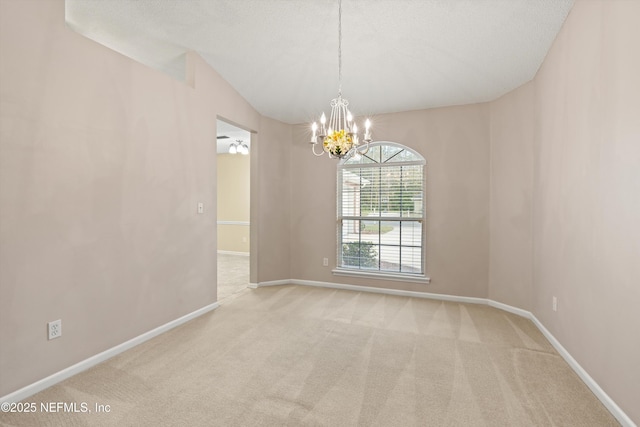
{"type": "Point", "coordinates": [293, 355]}
{"type": "Point", "coordinates": [233, 276]}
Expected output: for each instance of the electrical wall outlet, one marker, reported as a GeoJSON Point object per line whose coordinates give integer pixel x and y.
{"type": "Point", "coordinates": [554, 304]}
{"type": "Point", "coordinates": [325, 262]}
{"type": "Point", "coordinates": [55, 329]}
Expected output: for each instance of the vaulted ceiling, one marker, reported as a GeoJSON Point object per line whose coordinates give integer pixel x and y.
{"type": "Point", "coordinates": [282, 55]}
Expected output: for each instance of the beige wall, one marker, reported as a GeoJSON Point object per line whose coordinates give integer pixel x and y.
{"type": "Point", "coordinates": [273, 179]}
{"type": "Point", "coordinates": [586, 205]}
{"type": "Point", "coordinates": [102, 164]}
{"type": "Point", "coordinates": [234, 202]}
{"type": "Point", "coordinates": [565, 195]}
{"type": "Point", "coordinates": [511, 256]}
{"type": "Point", "coordinates": [455, 143]}
{"type": "Point", "coordinates": [234, 238]}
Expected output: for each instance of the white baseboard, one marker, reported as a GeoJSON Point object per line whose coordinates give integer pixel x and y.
{"type": "Point", "coordinates": [387, 291]}
{"type": "Point", "coordinates": [273, 283]}
{"type": "Point", "coordinates": [242, 223]}
{"type": "Point", "coordinates": [53, 379]}
{"type": "Point", "coordinates": [233, 253]}
{"type": "Point", "coordinates": [510, 309]}
{"type": "Point", "coordinates": [615, 410]}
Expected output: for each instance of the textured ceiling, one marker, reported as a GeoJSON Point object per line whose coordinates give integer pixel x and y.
{"type": "Point", "coordinates": [282, 55]}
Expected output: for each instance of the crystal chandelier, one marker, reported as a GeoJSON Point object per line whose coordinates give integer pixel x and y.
{"type": "Point", "coordinates": [339, 137]}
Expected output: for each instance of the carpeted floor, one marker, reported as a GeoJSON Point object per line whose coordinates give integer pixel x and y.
{"type": "Point", "coordinates": [294, 355]}
{"type": "Point", "coordinates": [233, 276]}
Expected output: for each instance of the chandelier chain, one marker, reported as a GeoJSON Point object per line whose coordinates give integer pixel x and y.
{"type": "Point", "coordinates": [339, 135]}
{"type": "Point", "coordinates": [340, 47]}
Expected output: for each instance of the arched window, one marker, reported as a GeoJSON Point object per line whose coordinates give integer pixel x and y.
{"type": "Point", "coordinates": [381, 212]}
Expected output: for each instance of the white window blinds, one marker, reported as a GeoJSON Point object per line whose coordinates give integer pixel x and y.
{"type": "Point", "coordinates": [381, 211]}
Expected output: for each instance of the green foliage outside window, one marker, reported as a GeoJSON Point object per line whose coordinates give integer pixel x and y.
{"type": "Point", "coordinates": [359, 254]}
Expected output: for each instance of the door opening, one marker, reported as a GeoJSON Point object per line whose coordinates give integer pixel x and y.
{"type": "Point", "coordinates": [234, 209]}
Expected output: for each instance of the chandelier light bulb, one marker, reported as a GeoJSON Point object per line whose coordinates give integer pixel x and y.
{"type": "Point", "coordinates": [367, 131]}
{"type": "Point", "coordinates": [233, 149]}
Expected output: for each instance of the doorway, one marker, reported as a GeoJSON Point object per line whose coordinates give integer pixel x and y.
{"type": "Point", "coordinates": [234, 209]}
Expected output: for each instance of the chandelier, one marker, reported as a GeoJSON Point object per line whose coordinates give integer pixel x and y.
{"type": "Point", "coordinates": [239, 147]}
{"type": "Point", "coordinates": [339, 137]}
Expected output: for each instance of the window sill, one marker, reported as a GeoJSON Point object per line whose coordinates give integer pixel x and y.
{"type": "Point", "coordinates": [415, 278]}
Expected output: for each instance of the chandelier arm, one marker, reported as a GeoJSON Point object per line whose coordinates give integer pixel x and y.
{"type": "Point", "coordinates": [366, 150]}
{"type": "Point", "coordinates": [313, 150]}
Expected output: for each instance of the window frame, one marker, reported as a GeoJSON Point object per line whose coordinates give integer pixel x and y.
{"type": "Point", "coordinates": [342, 270]}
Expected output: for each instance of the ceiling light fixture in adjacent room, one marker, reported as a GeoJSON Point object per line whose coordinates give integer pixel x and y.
{"type": "Point", "coordinates": [239, 147]}
{"type": "Point", "coordinates": [339, 137]}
